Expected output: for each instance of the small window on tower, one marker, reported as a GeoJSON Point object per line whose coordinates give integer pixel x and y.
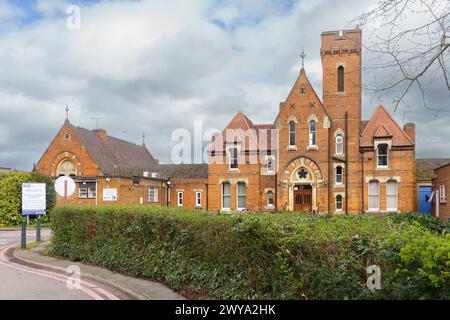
{"type": "Point", "coordinates": [340, 79]}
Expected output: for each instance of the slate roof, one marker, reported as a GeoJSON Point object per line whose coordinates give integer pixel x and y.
{"type": "Point", "coordinates": [114, 155]}
{"type": "Point", "coordinates": [183, 171]}
{"type": "Point", "coordinates": [242, 129]}
{"type": "Point", "coordinates": [425, 167]}
{"type": "Point", "coordinates": [382, 123]}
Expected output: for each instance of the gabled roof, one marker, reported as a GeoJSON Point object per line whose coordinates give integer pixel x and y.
{"type": "Point", "coordinates": [310, 96]}
{"type": "Point", "coordinates": [382, 125]}
{"type": "Point", "coordinates": [242, 129]}
{"type": "Point", "coordinates": [382, 132]}
{"type": "Point", "coordinates": [112, 154]}
{"type": "Point", "coordinates": [425, 167]}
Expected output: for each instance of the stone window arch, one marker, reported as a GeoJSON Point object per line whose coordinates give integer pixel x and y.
{"type": "Point", "coordinates": [66, 168]}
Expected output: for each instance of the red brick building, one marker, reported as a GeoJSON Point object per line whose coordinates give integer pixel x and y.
{"type": "Point", "coordinates": [110, 171]}
{"type": "Point", "coordinates": [441, 185]}
{"type": "Point", "coordinates": [319, 155]}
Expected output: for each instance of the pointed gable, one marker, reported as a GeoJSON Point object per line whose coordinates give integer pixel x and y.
{"type": "Point", "coordinates": [242, 130]}
{"type": "Point", "coordinates": [383, 125]}
{"type": "Point", "coordinates": [382, 132]}
{"type": "Point", "coordinates": [302, 95]}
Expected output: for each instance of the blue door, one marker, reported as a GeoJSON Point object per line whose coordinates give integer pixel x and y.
{"type": "Point", "coordinates": [424, 196]}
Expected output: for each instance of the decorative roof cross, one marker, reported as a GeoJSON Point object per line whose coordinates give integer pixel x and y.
{"type": "Point", "coordinates": [303, 56]}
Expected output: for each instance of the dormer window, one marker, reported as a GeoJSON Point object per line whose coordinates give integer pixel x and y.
{"type": "Point", "coordinates": [382, 155]}
{"type": "Point", "coordinates": [233, 154]}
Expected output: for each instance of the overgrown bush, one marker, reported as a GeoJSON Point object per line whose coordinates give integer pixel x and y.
{"type": "Point", "coordinates": [11, 195]}
{"type": "Point", "coordinates": [258, 256]}
{"type": "Point", "coordinates": [425, 220]}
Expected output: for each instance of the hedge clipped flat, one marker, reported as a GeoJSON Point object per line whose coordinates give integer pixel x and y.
{"type": "Point", "coordinates": [259, 256]}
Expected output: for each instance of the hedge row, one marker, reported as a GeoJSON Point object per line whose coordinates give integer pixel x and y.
{"type": "Point", "coordinates": [258, 256]}
{"type": "Point", "coordinates": [11, 195]}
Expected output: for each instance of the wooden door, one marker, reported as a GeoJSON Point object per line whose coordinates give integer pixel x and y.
{"type": "Point", "coordinates": [303, 198]}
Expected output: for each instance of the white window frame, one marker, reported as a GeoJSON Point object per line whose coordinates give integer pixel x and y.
{"type": "Point", "coordinates": [369, 195]}
{"type": "Point", "coordinates": [231, 158]}
{"type": "Point", "coordinates": [391, 195]}
{"type": "Point", "coordinates": [387, 156]}
{"type": "Point", "coordinates": [223, 195]}
{"type": "Point", "coordinates": [270, 205]}
{"type": "Point", "coordinates": [270, 165]}
{"type": "Point", "coordinates": [336, 176]}
{"type": "Point", "coordinates": [312, 133]}
{"type": "Point", "coordinates": [442, 194]}
{"type": "Point", "coordinates": [180, 199]}
{"type": "Point", "coordinates": [198, 199]}
{"type": "Point", "coordinates": [336, 202]}
{"type": "Point", "coordinates": [240, 195]}
{"type": "Point", "coordinates": [88, 192]}
{"type": "Point", "coordinates": [292, 132]}
{"type": "Point", "coordinates": [341, 144]}
{"type": "Point", "coordinates": [155, 195]}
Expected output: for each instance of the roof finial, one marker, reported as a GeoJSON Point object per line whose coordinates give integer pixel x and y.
{"type": "Point", "coordinates": [303, 56]}
{"type": "Point", "coordinates": [143, 139]}
{"type": "Point", "coordinates": [67, 113]}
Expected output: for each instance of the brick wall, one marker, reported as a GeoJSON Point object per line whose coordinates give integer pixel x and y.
{"type": "Point", "coordinates": [189, 188]}
{"type": "Point", "coordinates": [128, 193]}
{"type": "Point", "coordinates": [60, 149]}
{"type": "Point", "coordinates": [442, 178]}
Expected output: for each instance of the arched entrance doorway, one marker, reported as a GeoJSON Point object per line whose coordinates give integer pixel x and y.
{"type": "Point", "coordinates": [300, 180]}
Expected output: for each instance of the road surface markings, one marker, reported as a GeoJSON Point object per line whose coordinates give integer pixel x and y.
{"type": "Point", "coordinates": [92, 290]}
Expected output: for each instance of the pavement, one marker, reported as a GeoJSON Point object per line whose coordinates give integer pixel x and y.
{"type": "Point", "coordinates": [32, 274]}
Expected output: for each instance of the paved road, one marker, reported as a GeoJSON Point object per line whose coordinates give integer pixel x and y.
{"type": "Point", "coordinates": [18, 282]}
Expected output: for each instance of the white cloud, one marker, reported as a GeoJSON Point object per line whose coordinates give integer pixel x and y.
{"type": "Point", "coordinates": [148, 66]}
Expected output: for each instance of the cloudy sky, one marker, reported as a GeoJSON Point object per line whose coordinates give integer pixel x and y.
{"type": "Point", "coordinates": [155, 66]}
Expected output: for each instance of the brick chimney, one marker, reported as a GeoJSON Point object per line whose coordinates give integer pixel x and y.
{"type": "Point", "coordinates": [410, 129]}
{"type": "Point", "coordinates": [101, 134]}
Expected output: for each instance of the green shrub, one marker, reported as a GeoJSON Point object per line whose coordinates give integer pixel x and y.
{"type": "Point", "coordinates": [11, 195]}
{"type": "Point", "coordinates": [425, 220]}
{"type": "Point", "coordinates": [258, 256]}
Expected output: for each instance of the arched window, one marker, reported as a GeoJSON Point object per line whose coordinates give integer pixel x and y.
{"type": "Point", "coordinates": [339, 144]}
{"type": "Point", "coordinates": [292, 133]}
{"type": "Point", "coordinates": [382, 157]}
{"type": "Point", "coordinates": [241, 195]}
{"type": "Point", "coordinates": [391, 195]}
{"type": "Point", "coordinates": [340, 79]}
{"type": "Point", "coordinates": [312, 133]}
{"type": "Point", "coordinates": [226, 196]}
{"type": "Point", "coordinates": [339, 175]}
{"type": "Point", "coordinates": [66, 168]}
{"type": "Point", "coordinates": [270, 199]}
{"type": "Point", "coordinates": [233, 153]}
{"type": "Point", "coordinates": [339, 202]}
{"type": "Point", "coordinates": [374, 196]}
{"type": "Point", "coordinates": [66, 137]}
{"type": "Point", "coordinates": [270, 166]}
